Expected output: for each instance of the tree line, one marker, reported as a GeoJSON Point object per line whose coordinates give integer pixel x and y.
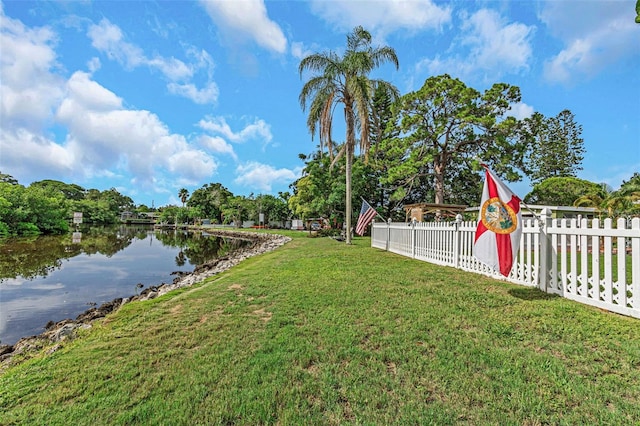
{"type": "Point", "coordinates": [47, 206]}
{"type": "Point", "coordinates": [427, 145]}
{"type": "Point", "coordinates": [217, 204]}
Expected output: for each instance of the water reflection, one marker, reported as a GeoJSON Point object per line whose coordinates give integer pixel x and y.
{"type": "Point", "coordinates": [53, 278]}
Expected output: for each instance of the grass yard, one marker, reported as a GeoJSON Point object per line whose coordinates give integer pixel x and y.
{"type": "Point", "coordinates": [318, 332]}
{"type": "Point", "coordinates": [628, 262]}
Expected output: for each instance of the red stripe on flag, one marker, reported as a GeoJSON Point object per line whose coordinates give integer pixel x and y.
{"type": "Point", "coordinates": [481, 229]}
{"type": "Point", "coordinates": [506, 262]}
{"type": "Point", "coordinates": [503, 244]}
{"type": "Point", "coordinates": [514, 203]}
{"type": "Point", "coordinates": [491, 184]}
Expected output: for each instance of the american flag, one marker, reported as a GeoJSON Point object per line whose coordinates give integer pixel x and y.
{"type": "Point", "coordinates": [367, 213]}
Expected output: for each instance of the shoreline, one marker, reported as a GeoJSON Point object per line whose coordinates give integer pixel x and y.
{"type": "Point", "coordinates": [57, 332]}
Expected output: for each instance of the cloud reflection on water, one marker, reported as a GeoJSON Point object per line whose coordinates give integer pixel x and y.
{"type": "Point", "coordinates": [27, 304]}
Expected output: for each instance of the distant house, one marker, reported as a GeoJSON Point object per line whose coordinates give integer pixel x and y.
{"type": "Point", "coordinates": [139, 218]}
{"type": "Point", "coordinates": [427, 211]}
{"type": "Point", "coordinates": [557, 212]}
{"type": "Point", "coordinates": [297, 224]}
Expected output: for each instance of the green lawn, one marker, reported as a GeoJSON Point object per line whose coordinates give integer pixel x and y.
{"type": "Point", "coordinates": [628, 261]}
{"type": "Point", "coordinates": [318, 332]}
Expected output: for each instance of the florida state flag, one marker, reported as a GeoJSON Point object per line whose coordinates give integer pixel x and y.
{"type": "Point", "coordinates": [499, 225]}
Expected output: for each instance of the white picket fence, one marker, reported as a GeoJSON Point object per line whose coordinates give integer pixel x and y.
{"type": "Point", "coordinates": [579, 260]}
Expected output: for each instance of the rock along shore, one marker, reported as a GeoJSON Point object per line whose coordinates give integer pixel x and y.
{"type": "Point", "coordinates": [56, 333]}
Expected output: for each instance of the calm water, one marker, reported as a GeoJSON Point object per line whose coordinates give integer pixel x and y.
{"type": "Point", "coordinates": [57, 277]}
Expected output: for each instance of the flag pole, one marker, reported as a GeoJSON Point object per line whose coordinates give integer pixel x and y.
{"type": "Point", "coordinates": [537, 216]}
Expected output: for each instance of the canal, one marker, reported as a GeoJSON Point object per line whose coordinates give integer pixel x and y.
{"type": "Point", "coordinates": [52, 278]}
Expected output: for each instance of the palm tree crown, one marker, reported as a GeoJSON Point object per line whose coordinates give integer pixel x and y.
{"type": "Point", "coordinates": [345, 80]}
{"type": "Point", "coordinates": [183, 194]}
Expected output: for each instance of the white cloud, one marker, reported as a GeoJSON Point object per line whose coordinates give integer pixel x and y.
{"type": "Point", "coordinates": [299, 51]}
{"type": "Point", "coordinates": [29, 90]}
{"type": "Point", "coordinates": [596, 36]}
{"type": "Point", "coordinates": [217, 145]}
{"type": "Point", "coordinates": [495, 43]}
{"type": "Point", "coordinates": [383, 17]}
{"type": "Point", "coordinates": [108, 38]}
{"type": "Point", "coordinates": [174, 69]}
{"type": "Point", "coordinates": [241, 19]}
{"type": "Point", "coordinates": [104, 136]}
{"type": "Point", "coordinates": [258, 130]}
{"type": "Point", "coordinates": [206, 95]}
{"type": "Point", "coordinates": [89, 94]}
{"type": "Point", "coordinates": [95, 135]}
{"type": "Point", "coordinates": [492, 46]}
{"type": "Point", "coordinates": [29, 154]}
{"type": "Point", "coordinates": [94, 64]}
{"type": "Point", "coordinates": [261, 176]}
{"type": "Point", "coordinates": [191, 166]}
{"type": "Point", "coordinates": [520, 111]}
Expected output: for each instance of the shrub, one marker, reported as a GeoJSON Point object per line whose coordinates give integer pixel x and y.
{"type": "Point", "coordinates": [27, 228]}
{"type": "Point", "coordinates": [4, 229]}
{"type": "Point", "coordinates": [330, 232]}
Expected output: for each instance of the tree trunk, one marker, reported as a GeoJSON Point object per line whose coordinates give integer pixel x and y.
{"type": "Point", "coordinates": [438, 171]}
{"type": "Point", "coordinates": [351, 140]}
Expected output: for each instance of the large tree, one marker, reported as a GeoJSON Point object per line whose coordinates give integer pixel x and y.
{"type": "Point", "coordinates": [70, 191]}
{"type": "Point", "coordinates": [320, 191]}
{"type": "Point", "coordinates": [32, 210]}
{"type": "Point", "coordinates": [8, 179]}
{"type": "Point", "coordinates": [210, 200]}
{"type": "Point", "coordinates": [555, 148]}
{"type": "Point", "coordinates": [273, 208]}
{"type": "Point", "coordinates": [445, 125]}
{"type": "Point", "coordinates": [345, 80]}
{"type": "Point", "coordinates": [384, 195]}
{"type": "Point", "coordinates": [564, 191]}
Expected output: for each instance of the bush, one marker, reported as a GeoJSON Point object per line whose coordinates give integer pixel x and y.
{"type": "Point", "coordinates": [330, 232]}
{"type": "Point", "coordinates": [61, 226]}
{"type": "Point", "coordinates": [4, 229]}
{"type": "Point", "coordinates": [27, 228]}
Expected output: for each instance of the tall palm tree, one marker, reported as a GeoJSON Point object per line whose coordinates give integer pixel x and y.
{"type": "Point", "coordinates": [183, 194]}
{"type": "Point", "coordinates": [345, 80]}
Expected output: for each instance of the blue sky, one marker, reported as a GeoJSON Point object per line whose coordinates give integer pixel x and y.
{"type": "Point", "coordinates": [152, 96]}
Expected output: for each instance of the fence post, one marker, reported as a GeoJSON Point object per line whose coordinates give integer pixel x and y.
{"type": "Point", "coordinates": [456, 242]}
{"type": "Point", "coordinates": [635, 263]}
{"type": "Point", "coordinates": [413, 238]}
{"type": "Point", "coordinates": [545, 249]}
{"type": "Point", "coordinates": [388, 234]}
